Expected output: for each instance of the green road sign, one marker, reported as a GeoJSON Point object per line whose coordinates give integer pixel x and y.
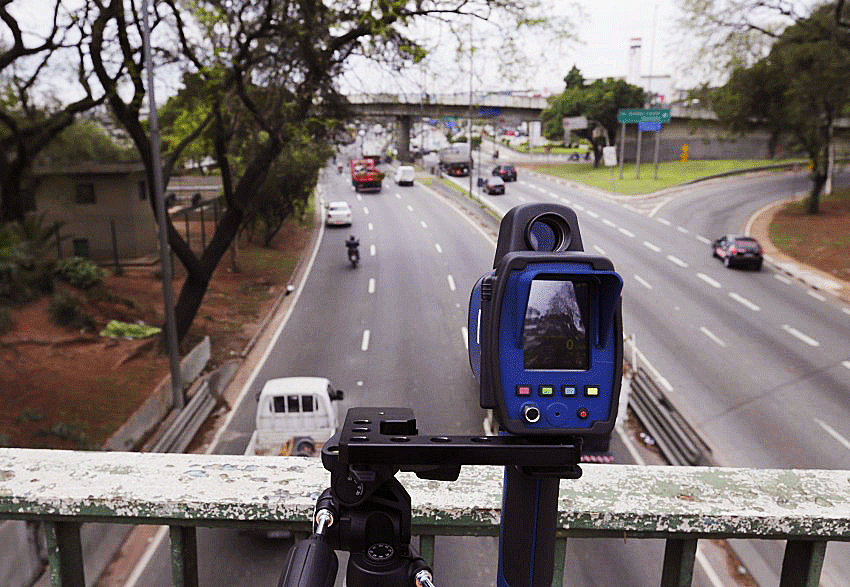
{"type": "Point", "coordinates": [637, 115]}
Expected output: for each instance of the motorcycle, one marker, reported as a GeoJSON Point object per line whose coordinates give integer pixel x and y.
{"type": "Point", "coordinates": [353, 256]}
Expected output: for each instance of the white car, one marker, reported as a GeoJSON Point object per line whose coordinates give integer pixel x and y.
{"type": "Point", "coordinates": [404, 175]}
{"type": "Point", "coordinates": [339, 213]}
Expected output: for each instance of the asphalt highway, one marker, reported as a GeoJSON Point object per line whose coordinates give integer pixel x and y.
{"type": "Point", "coordinates": [759, 365]}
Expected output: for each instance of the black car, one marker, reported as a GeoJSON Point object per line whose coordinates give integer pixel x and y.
{"type": "Point", "coordinates": [738, 251]}
{"type": "Point", "coordinates": [506, 172]}
{"type": "Point", "coordinates": [493, 185]}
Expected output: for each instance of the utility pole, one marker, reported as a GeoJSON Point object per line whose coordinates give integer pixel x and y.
{"type": "Point", "coordinates": [164, 247]}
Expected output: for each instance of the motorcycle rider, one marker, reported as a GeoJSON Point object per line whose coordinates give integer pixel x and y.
{"type": "Point", "coordinates": [351, 245]}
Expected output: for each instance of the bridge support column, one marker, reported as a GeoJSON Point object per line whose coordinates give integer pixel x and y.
{"type": "Point", "coordinates": [404, 138]}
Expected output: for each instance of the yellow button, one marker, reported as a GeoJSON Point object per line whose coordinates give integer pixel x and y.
{"type": "Point", "coordinates": [591, 390]}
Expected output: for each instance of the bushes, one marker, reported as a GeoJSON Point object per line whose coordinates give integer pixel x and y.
{"type": "Point", "coordinates": [80, 272]}
{"type": "Point", "coordinates": [65, 310]}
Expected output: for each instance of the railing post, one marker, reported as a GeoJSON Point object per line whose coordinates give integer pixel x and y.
{"type": "Point", "coordinates": [679, 555]}
{"type": "Point", "coordinates": [802, 563]}
{"type": "Point", "coordinates": [560, 561]}
{"type": "Point", "coordinates": [184, 556]}
{"type": "Point", "coordinates": [426, 548]}
{"type": "Point", "coordinates": [65, 554]}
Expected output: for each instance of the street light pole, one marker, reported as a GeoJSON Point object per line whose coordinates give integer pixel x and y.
{"type": "Point", "coordinates": [164, 247]}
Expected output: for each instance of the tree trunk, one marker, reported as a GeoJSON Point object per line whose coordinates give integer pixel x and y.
{"type": "Point", "coordinates": [818, 181]}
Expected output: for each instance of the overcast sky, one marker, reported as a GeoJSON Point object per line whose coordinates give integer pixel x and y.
{"type": "Point", "coordinates": [603, 36]}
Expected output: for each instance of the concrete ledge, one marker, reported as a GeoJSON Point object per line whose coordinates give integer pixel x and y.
{"type": "Point", "coordinates": [609, 500]}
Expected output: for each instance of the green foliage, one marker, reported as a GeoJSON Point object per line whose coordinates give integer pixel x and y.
{"type": "Point", "coordinates": [24, 247]}
{"type": "Point", "coordinates": [30, 415]}
{"type": "Point", "coordinates": [80, 272]}
{"type": "Point", "coordinates": [116, 329]}
{"type": "Point", "coordinates": [64, 309]}
{"type": "Point", "coordinates": [798, 90]}
{"type": "Point", "coordinates": [85, 140]}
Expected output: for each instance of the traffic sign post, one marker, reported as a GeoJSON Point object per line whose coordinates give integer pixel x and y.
{"type": "Point", "coordinates": [647, 119]}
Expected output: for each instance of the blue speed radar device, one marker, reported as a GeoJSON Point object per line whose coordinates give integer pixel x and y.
{"type": "Point", "coordinates": [545, 328]}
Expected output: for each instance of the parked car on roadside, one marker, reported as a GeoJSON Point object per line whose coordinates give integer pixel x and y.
{"type": "Point", "coordinates": [493, 185]}
{"type": "Point", "coordinates": [738, 251]}
{"type": "Point", "coordinates": [338, 213]}
{"type": "Point", "coordinates": [506, 172]}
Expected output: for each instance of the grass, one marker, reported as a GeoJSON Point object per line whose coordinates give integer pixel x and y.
{"type": "Point", "coordinates": [670, 173]}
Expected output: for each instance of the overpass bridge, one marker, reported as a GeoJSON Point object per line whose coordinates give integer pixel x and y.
{"type": "Point", "coordinates": [404, 108]}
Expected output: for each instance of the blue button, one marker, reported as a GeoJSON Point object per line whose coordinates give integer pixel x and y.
{"type": "Point", "coordinates": [568, 390]}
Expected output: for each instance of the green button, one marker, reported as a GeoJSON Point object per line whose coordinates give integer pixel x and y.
{"type": "Point", "coordinates": [547, 390]}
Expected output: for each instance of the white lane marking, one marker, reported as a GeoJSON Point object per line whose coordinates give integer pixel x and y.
{"type": "Point", "coordinates": [359, 198]}
{"type": "Point", "coordinates": [422, 223]}
{"type": "Point", "coordinates": [410, 208]}
{"type": "Point", "coordinates": [677, 261]}
{"type": "Point", "coordinates": [846, 364]}
{"type": "Point", "coordinates": [664, 221]}
{"type": "Point", "coordinates": [398, 195]}
{"type": "Point", "coordinates": [438, 247]}
{"type": "Point", "coordinates": [642, 281]}
{"type": "Point", "coordinates": [553, 194]}
{"type": "Point", "coordinates": [710, 281]}
{"type": "Point", "coordinates": [451, 281]}
{"type": "Point", "coordinates": [683, 230]}
{"type": "Point", "coordinates": [742, 300]}
{"type": "Point", "coordinates": [371, 285]}
{"type": "Point", "coordinates": [371, 227]}
{"type": "Point", "coordinates": [845, 310]}
{"type": "Point", "coordinates": [566, 200]}
{"type": "Point", "coordinates": [607, 222]}
{"type": "Point", "coordinates": [628, 233]}
{"type": "Point", "coordinates": [372, 250]}
{"type": "Point", "coordinates": [832, 432]}
{"type": "Point", "coordinates": [591, 213]}
{"type": "Point", "coordinates": [703, 239]}
{"type": "Point", "coordinates": [652, 247]}
{"type": "Point", "coordinates": [364, 344]}
{"type": "Point", "coordinates": [782, 278]}
{"type": "Point", "coordinates": [816, 295]}
{"type": "Point", "coordinates": [464, 331]}
{"type": "Point", "coordinates": [797, 334]}
{"type": "Point", "coordinates": [365, 210]}
{"type": "Point", "coordinates": [523, 199]}
{"type": "Point", "coordinates": [710, 573]}
{"type": "Point", "coordinates": [712, 336]}
{"type": "Point", "coordinates": [599, 249]}
{"type": "Point", "coordinates": [578, 207]}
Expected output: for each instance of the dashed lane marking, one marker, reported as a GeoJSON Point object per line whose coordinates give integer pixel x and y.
{"type": "Point", "coordinates": [451, 281]}
{"type": "Point", "coordinates": [643, 282]}
{"type": "Point", "coordinates": [799, 335]}
{"type": "Point", "coordinates": [364, 344]}
{"type": "Point", "coordinates": [710, 281]}
{"type": "Point", "coordinates": [744, 301]}
{"type": "Point", "coordinates": [716, 339]}
{"type": "Point", "coordinates": [652, 247]}
{"type": "Point", "coordinates": [371, 285]}
{"type": "Point", "coordinates": [676, 261]}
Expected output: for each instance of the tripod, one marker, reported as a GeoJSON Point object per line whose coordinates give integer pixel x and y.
{"type": "Point", "coordinates": [367, 512]}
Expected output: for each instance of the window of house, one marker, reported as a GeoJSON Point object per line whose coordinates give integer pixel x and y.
{"type": "Point", "coordinates": [81, 247]}
{"type": "Point", "coordinates": [84, 194]}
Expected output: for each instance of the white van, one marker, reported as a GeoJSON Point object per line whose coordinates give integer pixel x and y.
{"type": "Point", "coordinates": [404, 175]}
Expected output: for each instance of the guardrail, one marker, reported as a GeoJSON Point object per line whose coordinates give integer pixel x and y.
{"type": "Point", "coordinates": [64, 489]}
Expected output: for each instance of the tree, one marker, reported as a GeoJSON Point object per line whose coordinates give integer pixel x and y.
{"type": "Point", "coordinates": [799, 89]}
{"type": "Point", "coordinates": [29, 118]}
{"type": "Point", "coordinates": [599, 102]}
{"type": "Point", "coordinates": [264, 72]}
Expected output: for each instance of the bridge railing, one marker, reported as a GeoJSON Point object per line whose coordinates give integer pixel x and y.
{"type": "Point", "coordinates": [682, 505]}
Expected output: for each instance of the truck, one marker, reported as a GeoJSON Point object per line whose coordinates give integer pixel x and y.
{"type": "Point", "coordinates": [365, 176]}
{"type": "Point", "coordinates": [295, 417]}
{"type": "Point", "coordinates": [455, 160]}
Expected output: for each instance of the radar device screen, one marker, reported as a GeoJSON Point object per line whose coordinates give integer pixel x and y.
{"type": "Point", "coordinates": [555, 329]}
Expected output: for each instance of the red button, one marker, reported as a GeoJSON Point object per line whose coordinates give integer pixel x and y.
{"type": "Point", "coordinates": [582, 413]}
{"type": "Point", "coordinates": [523, 390]}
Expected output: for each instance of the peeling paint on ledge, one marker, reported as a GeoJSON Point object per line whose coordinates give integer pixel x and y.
{"type": "Point", "coordinates": [613, 499]}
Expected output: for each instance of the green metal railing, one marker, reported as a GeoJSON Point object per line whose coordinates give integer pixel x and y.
{"type": "Point", "coordinates": [682, 505]}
